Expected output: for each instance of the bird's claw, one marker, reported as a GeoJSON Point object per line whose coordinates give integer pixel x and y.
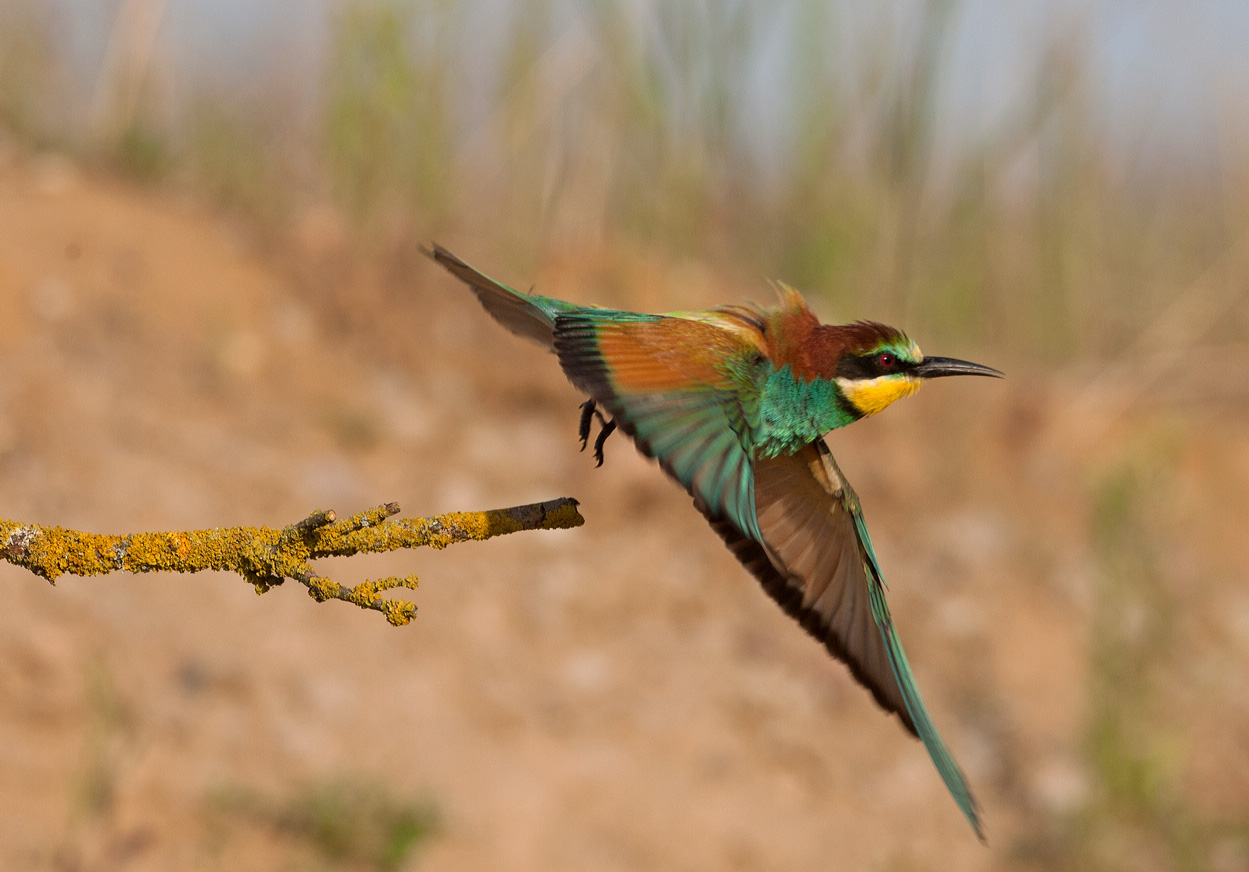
{"type": "Point", "coordinates": [583, 429]}
{"type": "Point", "coordinates": [608, 428]}
{"type": "Point", "coordinates": [589, 410]}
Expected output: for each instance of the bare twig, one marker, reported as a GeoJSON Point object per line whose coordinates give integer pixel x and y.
{"type": "Point", "coordinates": [267, 557]}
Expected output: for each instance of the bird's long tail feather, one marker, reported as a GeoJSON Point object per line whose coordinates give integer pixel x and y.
{"type": "Point", "coordinates": [524, 314]}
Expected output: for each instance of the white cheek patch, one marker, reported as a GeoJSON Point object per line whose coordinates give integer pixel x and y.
{"type": "Point", "coordinates": [872, 395]}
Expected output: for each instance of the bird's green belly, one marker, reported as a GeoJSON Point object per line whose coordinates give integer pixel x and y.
{"type": "Point", "coordinates": [794, 412]}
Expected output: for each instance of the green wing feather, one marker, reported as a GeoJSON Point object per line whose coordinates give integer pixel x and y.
{"type": "Point", "coordinates": [924, 727]}
{"type": "Point", "coordinates": [665, 381]}
{"type": "Point", "coordinates": [816, 560]}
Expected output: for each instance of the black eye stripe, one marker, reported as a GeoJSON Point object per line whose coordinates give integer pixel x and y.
{"type": "Point", "coordinates": [870, 366]}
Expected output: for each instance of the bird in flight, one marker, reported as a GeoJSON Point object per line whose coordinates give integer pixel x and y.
{"type": "Point", "coordinates": [734, 404]}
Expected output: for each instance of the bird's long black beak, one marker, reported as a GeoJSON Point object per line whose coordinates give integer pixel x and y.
{"type": "Point", "coordinates": [937, 367]}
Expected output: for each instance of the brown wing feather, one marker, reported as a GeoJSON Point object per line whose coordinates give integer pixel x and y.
{"type": "Point", "coordinates": [813, 567]}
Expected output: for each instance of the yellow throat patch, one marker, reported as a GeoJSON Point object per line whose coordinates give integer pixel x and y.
{"type": "Point", "coordinates": [871, 395]}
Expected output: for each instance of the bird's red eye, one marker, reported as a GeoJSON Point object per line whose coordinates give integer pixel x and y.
{"type": "Point", "coordinates": [886, 360]}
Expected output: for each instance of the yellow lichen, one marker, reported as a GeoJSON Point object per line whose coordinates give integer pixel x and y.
{"type": "Point", "coordinates": [265, 557]}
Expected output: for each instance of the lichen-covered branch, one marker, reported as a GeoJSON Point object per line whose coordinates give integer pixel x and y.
{"type": "Point", "coordinates": [267, 557]}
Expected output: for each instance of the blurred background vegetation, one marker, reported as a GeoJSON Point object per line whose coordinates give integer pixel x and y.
{"type": "Point", "coordinates": [1065, 187]}
{"type": "Point", "coordinates": [1056, 179]}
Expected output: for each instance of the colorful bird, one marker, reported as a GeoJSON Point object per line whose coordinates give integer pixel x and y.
{"type": "Point", "coordinates": [734, 404]}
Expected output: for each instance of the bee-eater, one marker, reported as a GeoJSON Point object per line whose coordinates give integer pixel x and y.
{"type": "Point", "coordinates": [734, 404]}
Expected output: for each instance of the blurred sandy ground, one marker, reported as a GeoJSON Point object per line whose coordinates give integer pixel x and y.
{"type": "Point", "coordinates": [621, 696]}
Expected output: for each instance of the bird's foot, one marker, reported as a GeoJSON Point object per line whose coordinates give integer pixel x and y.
{"type": "Point", "coordinates": [608, 428]}
{"type": "Point", "coordinates": [583, 429]}
{"type": "Point", "coordinates": [589, 410]}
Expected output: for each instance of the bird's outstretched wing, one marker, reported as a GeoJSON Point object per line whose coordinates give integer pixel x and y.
{"type": "Point", "coordinates": [816, 559]}
{"type": "Point", "coordinates": [664, 381]}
